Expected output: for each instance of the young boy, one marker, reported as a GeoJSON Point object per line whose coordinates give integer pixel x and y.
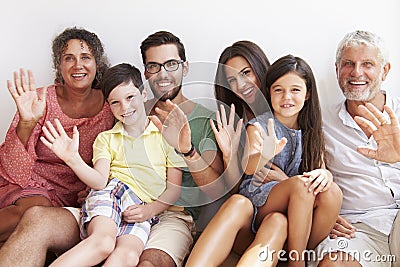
{"type": "Point", "coordinates": [133, 165]}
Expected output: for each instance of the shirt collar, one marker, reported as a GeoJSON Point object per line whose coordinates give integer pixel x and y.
{"type": "Point", "coordinates": [349, 121]}
{"type": "Point", "coordinates": [119, 128]}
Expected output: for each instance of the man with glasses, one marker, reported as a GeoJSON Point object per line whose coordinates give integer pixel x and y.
{"type": "Point", "coordinates": [186, 126]}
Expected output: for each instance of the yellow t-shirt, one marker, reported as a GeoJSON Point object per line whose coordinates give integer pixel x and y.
{"type": "Point", "coordinates": [141, 163]}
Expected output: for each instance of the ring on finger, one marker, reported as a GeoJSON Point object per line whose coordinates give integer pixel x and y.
{"type": "Point", "coordinates": [384, 122]}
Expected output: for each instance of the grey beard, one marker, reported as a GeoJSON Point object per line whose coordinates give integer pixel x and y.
{"type": "Point", "coordinates": [364, 96]}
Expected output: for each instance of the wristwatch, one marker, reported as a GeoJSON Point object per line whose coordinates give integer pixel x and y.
{"type": "Point", "coordinates": [190, 153]}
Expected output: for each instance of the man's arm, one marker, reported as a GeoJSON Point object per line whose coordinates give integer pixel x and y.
{"type": "Point", "coordinates": [205, 168]}
{"type": "Point", "coordinates": [206, 171]}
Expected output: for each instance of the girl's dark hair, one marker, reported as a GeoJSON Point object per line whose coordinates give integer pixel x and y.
{"type": "Point", "coordinates": [259, 63]}
{"type": "Point", "coordinates": [122, 73]}
{"type": "Point", "coordinates": [162, 38]}
{"type": "Point", "coordinates": [310, 118]}
{"type": "Point", "coordinates": [96, 48]}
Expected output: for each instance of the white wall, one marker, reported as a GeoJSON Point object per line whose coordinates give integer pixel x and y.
{"type": "Point", "coordinates": [310, 29]}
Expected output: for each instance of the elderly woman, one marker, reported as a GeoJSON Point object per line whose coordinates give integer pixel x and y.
{"type": "Point", "coordinates": [30, 174]}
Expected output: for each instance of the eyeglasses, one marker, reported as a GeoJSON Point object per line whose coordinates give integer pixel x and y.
{"type": "Point", "coordinates": [170, 65]}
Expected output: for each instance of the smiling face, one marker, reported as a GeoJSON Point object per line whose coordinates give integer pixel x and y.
{"type": "Point", "coordinates": [242, 79]}
{"type": "Point", "coordinates": [78, 65]}
{"type": "Point", "coordinates": [127, 104]}
{"type": "Point", "coordinates": [288, 94]}
{"type": "Point", "coordinates": [165, 84]}
{"type": "Point", "coordinates": [360, 73]}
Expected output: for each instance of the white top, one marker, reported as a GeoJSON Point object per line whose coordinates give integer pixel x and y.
{"type": "Point", "coordinates": [371, 189]}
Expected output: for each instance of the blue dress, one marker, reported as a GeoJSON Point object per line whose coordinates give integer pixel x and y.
{"type": "Point", "coordinates": [288, 160]}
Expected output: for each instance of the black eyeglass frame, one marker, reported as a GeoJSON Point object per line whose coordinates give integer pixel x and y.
{"type": "Point", "coordinates": [163, 65]}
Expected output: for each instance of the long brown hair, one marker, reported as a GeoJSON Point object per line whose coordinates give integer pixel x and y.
{"type": "Point", "coordinates": [258, 62]}
{"type": "Point", "coordinates": [310, 118]}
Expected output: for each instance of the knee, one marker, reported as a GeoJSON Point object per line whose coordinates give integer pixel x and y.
{"type": "Point", "coordinates": [298, 189]}
{"type": "Point", "coordinates": [332, 197]}
{"type": "Point", "coordinates": [34, 217]}
{"type": "Point", "coordinates": [131, 257]}
{"type": "Point", "coordinates": [103, 244]}
{"type": "Point", "coordinates": [276, 221]}
{"type": "Point", "coordinates": [335, 192]}
{"type": "Point", "coordinates": [238, 202]}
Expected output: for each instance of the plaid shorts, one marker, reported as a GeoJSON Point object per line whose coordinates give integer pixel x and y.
{"type": "Point", "coordinates": [111, 202]}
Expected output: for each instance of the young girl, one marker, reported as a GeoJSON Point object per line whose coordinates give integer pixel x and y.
{"type": "Point", "coordinates": [312, 209]}
{"type": "Point", "coordinates": [240, 85]}
{"type": "Point", "coordinates": [133, 166]}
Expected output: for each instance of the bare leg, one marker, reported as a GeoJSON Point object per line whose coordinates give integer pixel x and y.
{"type": "Point", "coordinates": [126, 252]}
{"type": "Point", "coordinates": [40, 229]}
{"type": "Point", "coordinates": [291, 197]}
{"type": "Point", "coordinates": [326, 211]}
{"type": "Point", "coordinates": [216, 241]}
{"type": "Point", "coordinates": [270, 237]}
{"type": "Point", "coordinates": [94, 249]}
{"type": "Point", "coordinates": [13, 213]}
{"type": "Point", "coordinates": [154, 258]}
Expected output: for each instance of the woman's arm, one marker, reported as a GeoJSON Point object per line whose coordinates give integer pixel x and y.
{"type": "Point", "coordinates": [31, 103]}
{"type": "Point", "coordinates": [260, 147]}
{"type": "Point", "coordinates": [23, 133]}
{"type": "Point", "coordinates": [228, 139]}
